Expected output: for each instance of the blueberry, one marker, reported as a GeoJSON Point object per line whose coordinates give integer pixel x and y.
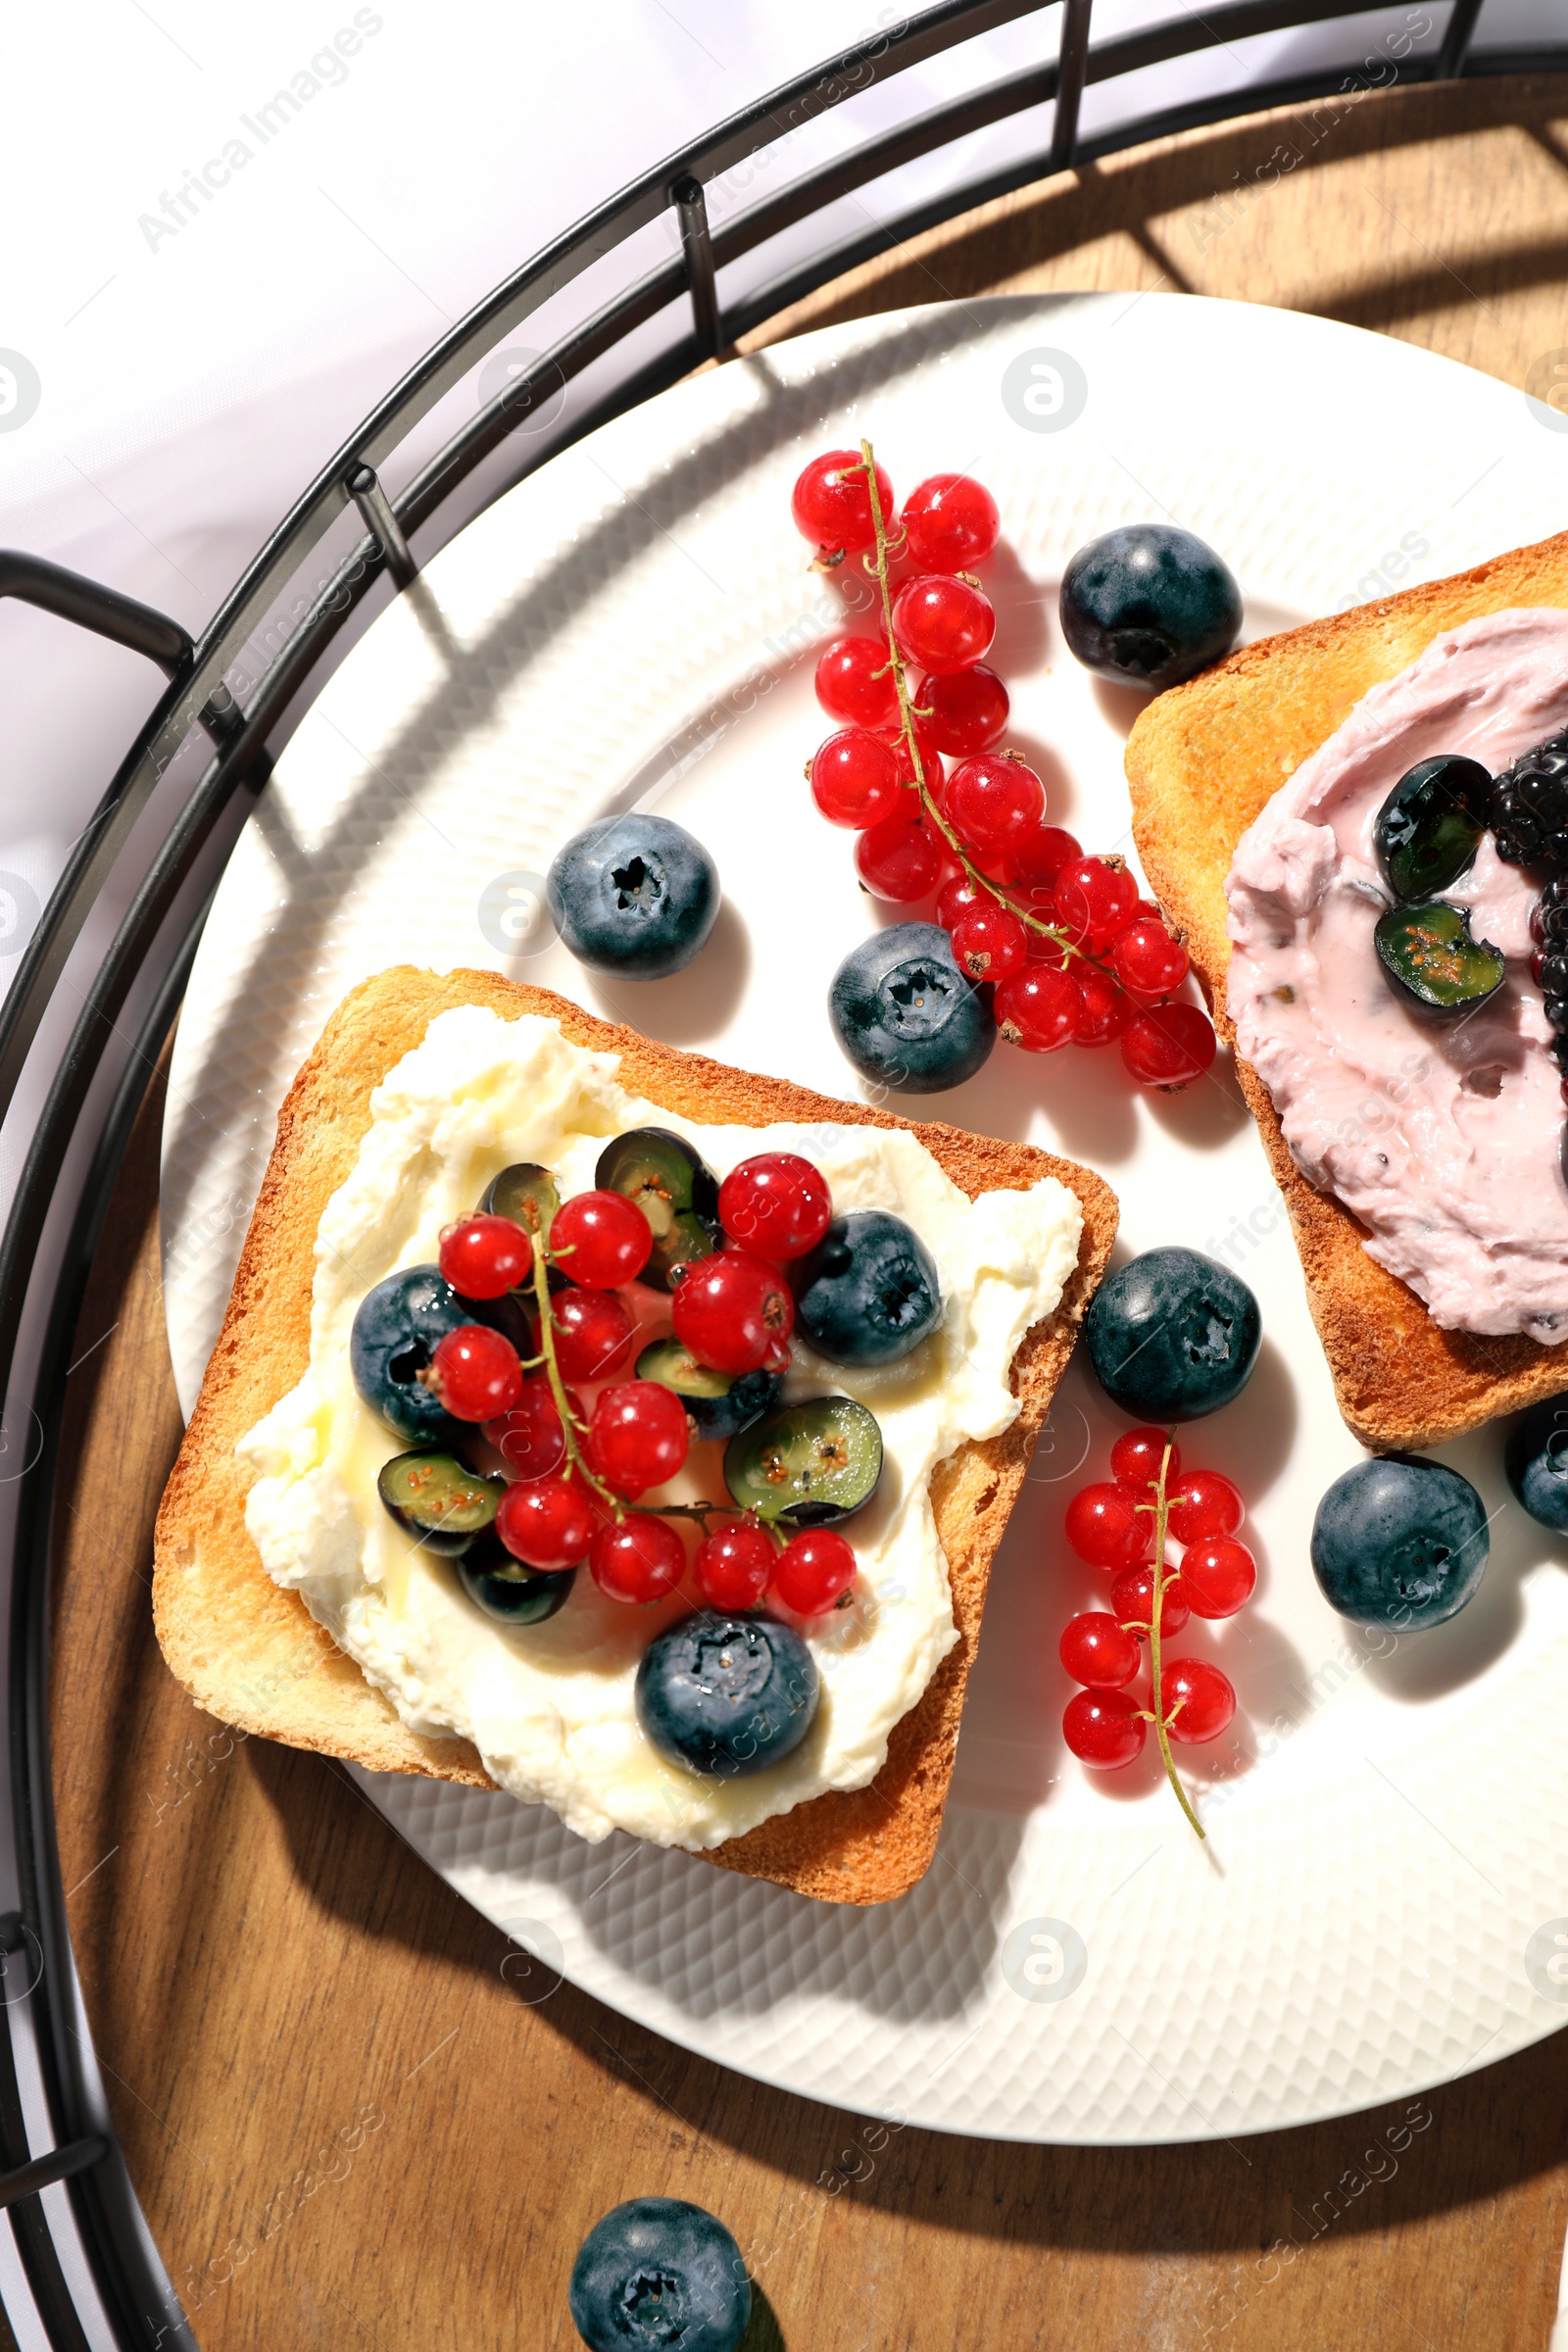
{"type": "Point", "coordinates": [505, 1590]}
{"type": "Point", "coordinates": [809, 1465]}
{"type": "Point", "coordinates": [726, 1695]}
{"type": "Point", "coordinates": [1172, 1335]}
{"type": "Point", "coordinates": [1537, 1461]}
{"type": "Point", "coordinates": [395, 1332]}
{"type": "Point", "coordinates": [656, 2271]}
{"type": "Point", "coordinates": [868, 1292]}
{"type": "Point", "coordinates": [905, 1015]}
{"type": "Point", "coordinates": [717, 1403]}
{"type": "Point", "coordinates": [1399, 1541]}
{"type": "Point", "coordinates": [633, 895]}
{"type": "Point", "coordinates": [1149, 605]}
{"type": "Point", "coordinates": [445, 1505]}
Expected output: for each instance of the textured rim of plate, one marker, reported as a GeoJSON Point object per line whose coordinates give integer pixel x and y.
{"type": "Point", "coordinates": [1338, 1945]}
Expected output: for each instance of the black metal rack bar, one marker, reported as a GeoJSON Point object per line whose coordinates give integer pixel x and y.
{"type": "Point", "coordinates": [156, 939]}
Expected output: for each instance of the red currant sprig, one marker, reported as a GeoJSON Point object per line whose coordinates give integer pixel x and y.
{"type": "Point", "coordinates": [1123, 1527]}
{"type": "Point", "coordinates": [638, 1435]}
{"type": "Point", "coordinates": [1093, 901]}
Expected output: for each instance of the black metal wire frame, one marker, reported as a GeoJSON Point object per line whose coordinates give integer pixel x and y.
{"type": "Point", "coordinates": [199, 698]}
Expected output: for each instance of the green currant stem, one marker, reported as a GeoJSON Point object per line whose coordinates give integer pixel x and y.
{"type": "Point", "coordinates": [570, 1425]}
{"type": "Point", "coordinates": [1162, 1582]}
{"type": "Point", "coordinates": [906, 717]}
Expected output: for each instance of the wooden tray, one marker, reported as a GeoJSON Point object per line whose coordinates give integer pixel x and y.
{"type": "Point", "coordinates": [355, 2115]}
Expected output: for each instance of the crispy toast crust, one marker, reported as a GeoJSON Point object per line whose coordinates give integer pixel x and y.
{"type": "Point", "coordinates": [254, 1655]}
{"type": "Point", "coordinates": [1202, 760]}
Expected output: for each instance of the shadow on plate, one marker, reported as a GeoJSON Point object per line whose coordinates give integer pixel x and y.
{"type": "Point", "coordinates": [1204, 1114]}
{"type": "Point", "coordinates": [691, 1005]}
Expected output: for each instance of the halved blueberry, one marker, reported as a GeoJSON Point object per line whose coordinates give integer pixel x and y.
{"type": "Point", "coordinates": [676, 1190]}
{"type": "Point", "coordinates": [394, 1335]}
{"type": "Point", "coordinates": [1172, 1335]}
{"type": "Point", "coordinates": [505, 1590]}
{"type": "Point", "coordinates": [443, 1503]}
{"type": "Point", "coordinates": [868, 1292]}
{"type": "Point", "coordinates": [1147, 605]}
{"type": "Point", "coordinates": [659, 2272]}
{"type": "Point", "coordinates": [1429, 828]}
{"type": "Point", "coordinates": [811, 1464]}
{"type": "Point", "coordinates": [716, 1404]}
{"type": "Point", "coordinates": [1432, 962]}
{"type": "Point", "coordinates": [727, 1696]}
{"type": "Point", "coordinates": [525, 1193]}
{"type": "Point", "coordinates": [634, 895]}
{"type": "Point", "coordinates": [905, 1015]}
{"type": "Point", "coordinates": [1401, 1541]}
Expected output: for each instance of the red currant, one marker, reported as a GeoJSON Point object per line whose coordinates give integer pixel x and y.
{"type": "Point", "coordinates": [813, 1570]}
{"type": "Point", "coordinates": [950, 522]}
{"type": "Point", "coordinates": [1148, 960]}
{"type": "Point", "coordinates": [638, 1435]}
{"type": "Point", "coordinates": [1104, 1727]}
{"type": "Point", "coordinates": [994, 801]}
{"type": "Point", "coordinates": [1107, 1008]}
{"type": "Point", "coordinates": [529, 1438]}
{"type": "Point", "coordinates": [640, 1558]}
{"type": "Point", "coordinates": [1219, 1576]}
{"type": "Point", "coordinates": [898, 861]}
{"type": "Point", "coordinates": [958, 896]}
{"type": "Point", "coordinates": [1198, 1702]}
{"type": "Point", "coordinates": [1132, 1596]}
{"type": "Point", "coordinates": [484, 1257]}
{"type": "Point", "coordinates": [475, 1373]}
{"type": "Point", "coordinates": [931, 767]}
{"type": "Point", "coordinates": [732, 1311]}
{"type": "Point", "coordinates": [1047, 949]}
{"type": "Point", "coordinates": [1040, 859]}
{"type": "Point", "coordinates": [600, 1239]}
{"type": "Point", "coordinates": [546, 1522]}
{"type": "Point", "coordinates": [855, 779]}
{"type": "Point", "coordinates": [1037, 1008]}
{"type": "Point", "coordinates": [1168, 1045]}
{"type": "Point", "coordinates": [855, 684]}
{"type": "Point", "coordinates": [1106, 1528]}
{"type": "Point", "coordinates": [592, 1333]}
{"type": "Point", "coordinates": [732, 1566]}
{"type": "Point", "coordinates": [1095, 901]}
{"type": "Point", "coordinates": [1204, 1503]}
{"type": "Point", "coordinates": [990, 942]}
{"type": "Point", "coordinates": [965, 710]}
{"type": "Point", "coordinates": [1136, 1457]}
{"type": "Point", "coordinates": [1096, 1650]}
{"type": "Point", "coordinates": [832, 502]}
{"type": "Point", "coordinates": [776, 1204]}
{"type": "Point", "coordinates": [943, 623]}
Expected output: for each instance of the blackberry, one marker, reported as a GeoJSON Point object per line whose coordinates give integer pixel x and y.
{"type": "Point", "coordinates": [1549, 919]}
{"type": "Point", "coordinates": [1528, 806]}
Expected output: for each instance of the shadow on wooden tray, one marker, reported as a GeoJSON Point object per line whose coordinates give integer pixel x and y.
{"type": "Point", "coordinates": [1454, 2147]}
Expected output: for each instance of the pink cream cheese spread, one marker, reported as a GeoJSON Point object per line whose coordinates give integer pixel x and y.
{"type": "Point", "coordinates": [1443, 1137]}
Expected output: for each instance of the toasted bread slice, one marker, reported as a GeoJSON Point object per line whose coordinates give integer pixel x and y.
{"type": "Point", "coordinates": [253, 1654]}
{"type": "Point", "coordinates": [1204, 760]}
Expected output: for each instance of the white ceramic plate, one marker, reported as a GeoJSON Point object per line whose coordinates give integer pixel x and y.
{"type": "Point", "coordinates": [637, 625]}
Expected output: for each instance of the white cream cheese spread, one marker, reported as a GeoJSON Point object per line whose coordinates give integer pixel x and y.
{"type": "Point", "coordinates": [1442, 1136]}
{"type": "Point", "coordinates": [550, 1707]}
